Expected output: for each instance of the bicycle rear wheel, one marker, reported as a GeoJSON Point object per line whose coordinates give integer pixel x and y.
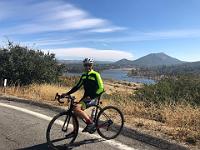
{"type": "Point", "coordinates": [110, 122]}
{"type": "Point", "coordinates": [62, 130]}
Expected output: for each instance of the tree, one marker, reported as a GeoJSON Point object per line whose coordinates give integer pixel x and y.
{"type": "Point", "coordinates": [21, 65]}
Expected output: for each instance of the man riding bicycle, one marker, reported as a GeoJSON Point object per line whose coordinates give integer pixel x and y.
{"type": "Point", "coordinates": [93, 87]}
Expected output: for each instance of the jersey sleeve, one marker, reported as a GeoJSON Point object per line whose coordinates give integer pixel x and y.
{"type": "Point", "coordinates": [100, 84]}
{"type": "Point", "coordinates": [76, 87]}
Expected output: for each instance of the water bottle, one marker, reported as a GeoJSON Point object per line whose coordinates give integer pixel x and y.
{"type": "Point", "coordinates": [93, 114]}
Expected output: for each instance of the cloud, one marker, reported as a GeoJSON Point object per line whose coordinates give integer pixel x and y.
{"type": "Point", "coordinates": [77, 38]}
{"type": "Point", "coordinates": [48, 16]}
{"type": "Point", "coordinates": [155, 35]}
{"type": "Point", "coordinates": [109, 29]}
{"type": "Point", "coordinates": [97, 54]}
{"type": "Point", "coordinates": [86, 23]}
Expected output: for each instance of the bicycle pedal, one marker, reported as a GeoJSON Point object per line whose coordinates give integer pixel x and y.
{"type": "Point", "coordinates": [92, 131]}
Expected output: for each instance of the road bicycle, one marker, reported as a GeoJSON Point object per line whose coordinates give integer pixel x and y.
{"type": "Point", "coordinates": [64, 127]}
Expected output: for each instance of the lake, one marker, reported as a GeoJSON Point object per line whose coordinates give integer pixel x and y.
{"type": "Point", "coordinates": [119, 74]}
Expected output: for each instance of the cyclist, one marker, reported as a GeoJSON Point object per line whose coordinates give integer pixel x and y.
{"type": "Point", "coordinates": [93, 87]}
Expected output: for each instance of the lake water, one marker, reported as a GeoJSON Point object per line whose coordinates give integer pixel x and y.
{"type": "Point", "coordinates": [118, 74]}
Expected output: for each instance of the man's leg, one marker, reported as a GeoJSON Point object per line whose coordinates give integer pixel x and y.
{"type": "Point", "coordinates": [79, 112]}
{"type": "Point", "coordinates": [90, 124]}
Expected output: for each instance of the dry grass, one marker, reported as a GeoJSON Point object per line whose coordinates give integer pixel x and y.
{"type": "Point", "coordinates": [35, 91]}
{"type": "Point", "coordinates": [120, 86]}
{"type": "Point", "coordinates": [180, 122]}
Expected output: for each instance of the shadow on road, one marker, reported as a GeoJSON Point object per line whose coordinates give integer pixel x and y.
{"type": "Point", "coordinates": [44, 146]}
{"type": "Point", "coordinates": [88, 141]}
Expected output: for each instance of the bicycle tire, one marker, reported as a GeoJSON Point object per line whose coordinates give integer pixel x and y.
{"type": "Point", "coordinates": [58, 122]}
{"type": "Point", "coordinates": [115, 128]}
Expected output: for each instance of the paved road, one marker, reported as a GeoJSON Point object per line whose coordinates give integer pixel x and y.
{"type": "Point", "coordinates": [23, 126]}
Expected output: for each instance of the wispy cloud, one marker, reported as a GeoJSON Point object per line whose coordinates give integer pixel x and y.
{"type": "Point", "coordinates": [131, 37]}
{"type": "Point", "coordinates": [97, 54]}
{"type": "Point", "coordinates": [48, 16]}
{"type": "Point", "coordinates": [109, 29]}
{"type": "Point", "coordinates": [147, 36]}
{"type": "Point", "coordinates": [154, 35]}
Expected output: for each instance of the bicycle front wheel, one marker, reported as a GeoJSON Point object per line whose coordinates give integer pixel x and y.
{"type": "Point", "coordinates": [110, 122]}
{"type": "Point", "coordinates": [62, 130]}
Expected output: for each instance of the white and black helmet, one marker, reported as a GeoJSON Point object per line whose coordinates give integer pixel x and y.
{"type": "Point", "coordinates": [88, 61]}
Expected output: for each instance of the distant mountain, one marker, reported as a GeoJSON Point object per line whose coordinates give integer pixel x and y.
{"type": "Point", "coordinates": [69, 61]}
{"type": "Point", "coordinates": [80, 62]}
{"type": "Point", "coordinates": [103, 62]}
{"type": "Point", "coordinates": [156, 59]}
{"type": "Point", "coordinates": [124, 62]}
{"type": "Point", "coordinates": [153, 59]}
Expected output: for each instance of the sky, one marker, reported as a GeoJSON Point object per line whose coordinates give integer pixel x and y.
{"type": "Point", "coordinates": [106, 30]}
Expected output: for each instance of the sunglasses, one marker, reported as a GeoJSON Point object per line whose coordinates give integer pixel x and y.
{"type": "Point", "coordinates": [87, 65]}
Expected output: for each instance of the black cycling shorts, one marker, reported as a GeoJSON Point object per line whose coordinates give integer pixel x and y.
{"type": "Point", "coordinates": [85, 103]}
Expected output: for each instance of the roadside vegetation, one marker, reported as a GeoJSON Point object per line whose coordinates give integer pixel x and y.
{"type": "Point", "coordinates": [172, 90]}
{"type": "Point", "coordinates": [22, 65]}
{"type": "Point", "coordinates": [170, 107]}
{"type": "Point", "coordinates": [179, 120]}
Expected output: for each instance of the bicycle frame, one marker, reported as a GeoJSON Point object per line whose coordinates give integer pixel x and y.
{"type": "Point", "coordinates": [70, 111]}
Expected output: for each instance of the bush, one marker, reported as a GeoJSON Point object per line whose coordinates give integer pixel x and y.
{"type": "Point", "coordinates": [172, 90]}
{"type": "Point", "coordinates": [21, 65]}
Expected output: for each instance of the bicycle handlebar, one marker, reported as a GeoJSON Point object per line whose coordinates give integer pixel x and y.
{"type": "Point", "coordinates": [58, 98]}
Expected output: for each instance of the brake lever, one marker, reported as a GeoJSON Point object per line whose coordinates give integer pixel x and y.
{"type": "Point", "coordinates": [58, 97]}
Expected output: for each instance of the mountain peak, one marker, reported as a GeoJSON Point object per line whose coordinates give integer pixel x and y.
{"type": "Point", "coordinates": [152, 59]}
{"type": "Point", "coordinates": [158, 54]}
{"type": "Point", "coordinates": [157, 59]}
{"type": "Point", "coordinates": [123, 62]}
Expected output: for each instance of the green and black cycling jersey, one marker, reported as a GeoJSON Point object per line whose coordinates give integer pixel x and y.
{"type": "Point", "coordinates": [92, 84]}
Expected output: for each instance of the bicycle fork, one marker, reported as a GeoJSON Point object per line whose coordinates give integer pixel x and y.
{"type": "Point", "coordinates": [66, 123]}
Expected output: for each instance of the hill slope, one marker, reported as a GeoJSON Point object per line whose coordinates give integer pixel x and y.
{"type": "Point", "coordinates": [153, 59]}
{"type": "Point", "coordinates": [156, 59]}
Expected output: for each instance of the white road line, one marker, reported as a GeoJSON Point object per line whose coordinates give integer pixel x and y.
{"type": "Point", "coordinates": [113, 143]}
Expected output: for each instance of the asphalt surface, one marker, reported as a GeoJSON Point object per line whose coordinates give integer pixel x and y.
{"type": "Point", "coordinates": [21, 130]}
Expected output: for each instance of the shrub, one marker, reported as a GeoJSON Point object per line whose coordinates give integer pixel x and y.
{"type": "Point", "coordinates": [21, 65]}
{"type": "Point", "coordinates": [172, 90]}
